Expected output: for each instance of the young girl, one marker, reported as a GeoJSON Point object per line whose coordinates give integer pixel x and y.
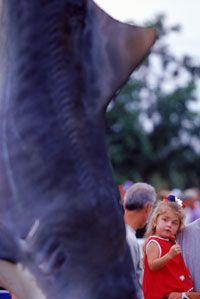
{"type": "Point", "coordinates": [164, 268]}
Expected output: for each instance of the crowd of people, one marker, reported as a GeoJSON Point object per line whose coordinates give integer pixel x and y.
{"type": "Point", "coordinates": [168, 264]}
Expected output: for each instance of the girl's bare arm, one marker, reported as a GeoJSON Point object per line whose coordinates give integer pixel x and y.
{"type": "Point", "coordinates": [153, 256]}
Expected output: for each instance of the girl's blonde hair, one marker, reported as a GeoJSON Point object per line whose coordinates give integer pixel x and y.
{"type": "Point", "coordinates": [161, 209]}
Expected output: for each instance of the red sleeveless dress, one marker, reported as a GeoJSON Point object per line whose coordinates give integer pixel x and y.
{"type": "Point", "coordinates": [173, 277]}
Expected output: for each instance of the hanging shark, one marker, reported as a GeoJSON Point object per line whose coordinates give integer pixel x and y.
{"type": "Point", "coordinates": [62, 233]}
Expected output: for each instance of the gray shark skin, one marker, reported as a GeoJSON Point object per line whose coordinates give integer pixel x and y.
{"type": "Point", "coordinates": [61, 222]}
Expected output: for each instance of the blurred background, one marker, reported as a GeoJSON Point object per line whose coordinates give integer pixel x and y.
{"type": "Point", "coordinates": [153, 125]}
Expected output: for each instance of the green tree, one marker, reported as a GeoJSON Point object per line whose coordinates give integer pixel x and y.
{"type": "Point", "coordinates": [153, 132]}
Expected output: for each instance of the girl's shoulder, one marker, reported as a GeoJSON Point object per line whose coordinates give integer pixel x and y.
{"type": "Point", "coordinates": [150, 241]}
{"type": "Point", "coordinates": [154, 240]}
{"type": "Point", "coordinates": [159, 241]}
{"type": "Point", "coordinates": [157, 238]}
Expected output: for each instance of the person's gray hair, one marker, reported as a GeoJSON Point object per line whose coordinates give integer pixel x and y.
{"type": "Point", "coordinates": [138, 195]}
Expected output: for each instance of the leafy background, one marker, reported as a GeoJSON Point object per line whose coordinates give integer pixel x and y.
{"type": "Point", "coordinates": [153, 124]}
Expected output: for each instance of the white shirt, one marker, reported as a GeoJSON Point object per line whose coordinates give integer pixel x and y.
{"type": "Point", "coordinates": [136, 256]}
{"type": "Point", "coordinates": [189, 239]}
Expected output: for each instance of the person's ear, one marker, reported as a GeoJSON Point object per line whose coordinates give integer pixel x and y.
{"type": "Point", "coordinates": [148, 207]}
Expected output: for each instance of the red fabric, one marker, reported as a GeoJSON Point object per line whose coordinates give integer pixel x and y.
{"type": "Point", "coordinates": [157, 284]}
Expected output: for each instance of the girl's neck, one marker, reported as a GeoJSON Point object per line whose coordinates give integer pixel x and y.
{"type": "Point", "coordinates": [171, 239]}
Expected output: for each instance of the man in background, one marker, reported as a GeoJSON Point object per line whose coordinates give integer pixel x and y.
{"type": "Point", "coordinates": [189, 239]}
{"type": "Point", "coordinates": [138, 203]}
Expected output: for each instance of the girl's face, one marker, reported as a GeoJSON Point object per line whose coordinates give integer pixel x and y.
{"type": "Point", "coordinates": [167, 224]}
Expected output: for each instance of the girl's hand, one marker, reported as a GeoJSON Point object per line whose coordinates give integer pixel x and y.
{"type": "Point", "coordinates": [175, 296]}
{"type": "Point", "coordinates": [175, 250]}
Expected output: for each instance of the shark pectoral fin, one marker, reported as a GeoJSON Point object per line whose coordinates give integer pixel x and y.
{"type": "Point", "coordinates": [118, 49]}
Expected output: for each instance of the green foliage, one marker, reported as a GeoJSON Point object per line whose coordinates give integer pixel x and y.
{"type": "Point", "coordinates": [153, 133]}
